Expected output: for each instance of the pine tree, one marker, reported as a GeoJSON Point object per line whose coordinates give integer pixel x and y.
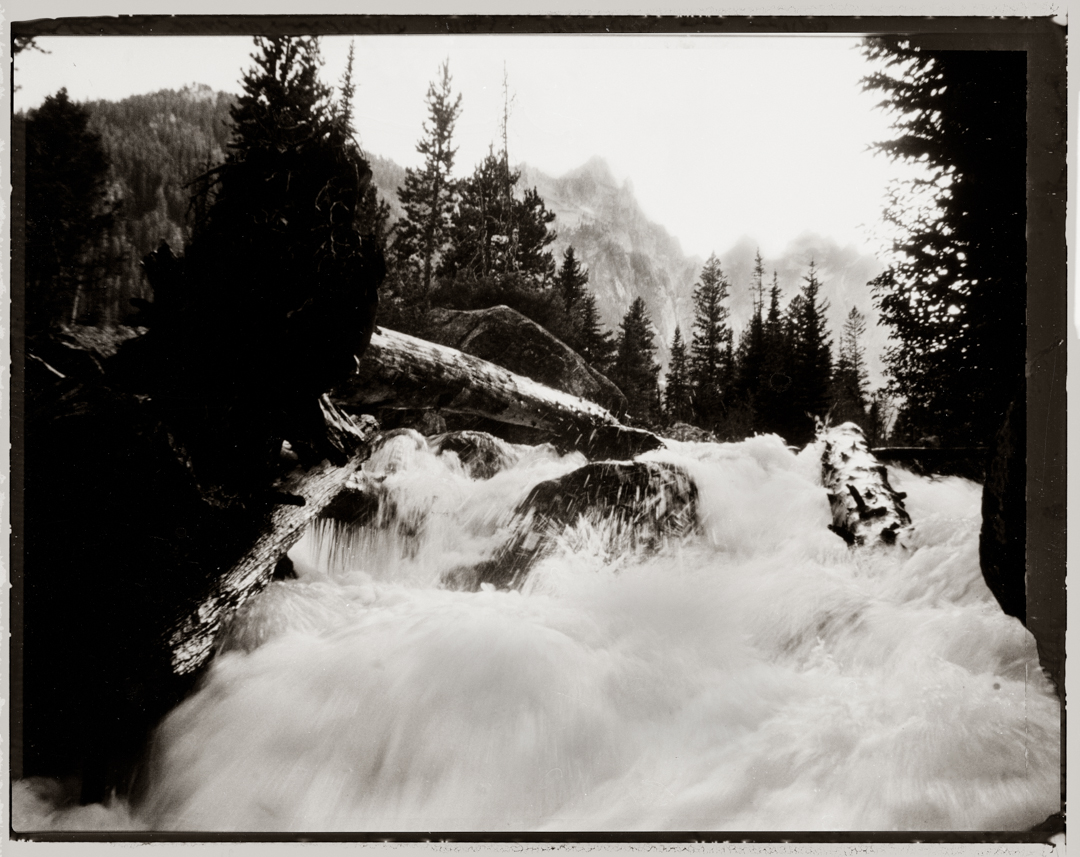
{"type": "Point", "coordinates": [597, 346]}
{"type": "Point", "coordinates": [851, 382]}
{"type": "Point", "coordinates": [493, 234]}
{"type": "Point", "coordinates": [811, 359]}
{"type": "Point", "coordinates": [750, 362]}
{"type": "Point", "coordinates": [572, 280]}
{"type": "Point", "coordinates": [67, 210]}
{"type": "Point", "coordinates": [427, 196]}
{"type": "Point", "coordinates": [955, 293]}
{"type": "Point", "coordinates": [276, 291]}
{"type": "Point", "coordinates": [710, 364]}
{"type": "Point", "coordinates": [678, 403]}
{"type": "Point", "coordinates": [635, 372]}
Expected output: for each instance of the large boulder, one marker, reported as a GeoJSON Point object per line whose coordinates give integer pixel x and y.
{"type": "Point", "coordinates": [506, 338]}
{"type": "Point", "coordinates": [645, 502]}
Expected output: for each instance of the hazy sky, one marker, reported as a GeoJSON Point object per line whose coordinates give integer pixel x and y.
{"type": "Point", "coordinates": [721, 136]}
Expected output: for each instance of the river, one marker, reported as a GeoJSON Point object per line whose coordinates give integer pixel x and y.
{"type": "Point", "coordinates": [754, 674]}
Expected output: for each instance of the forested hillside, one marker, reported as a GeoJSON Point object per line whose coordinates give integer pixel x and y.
{"type": "Point", "coordinates": [156, 144]}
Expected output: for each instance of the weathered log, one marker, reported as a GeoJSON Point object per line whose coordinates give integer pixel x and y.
{"type": "Point", "coordinates": [400, 371]}
{"type": "Point", "coordinates": [866, 509]}
{"type": "Point", "coordinates": [191, 638]}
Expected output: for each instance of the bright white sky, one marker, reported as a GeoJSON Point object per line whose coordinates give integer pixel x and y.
{"type": "Point", "coordinates": [721, 136]}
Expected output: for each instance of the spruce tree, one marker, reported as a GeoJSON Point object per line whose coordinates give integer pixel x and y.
{"type": "Point", "coordinates": [572, 280]}
{"type": "Point", "coordinates": [850, 381]}
{"type": "Point", "coordinates": [811, 359]}
{"type": "Point", "coordinates": [276, 291]}
{"type": "Point", "coordinates": [750, 363]}
{"type": "Point", "coordinates": [678, 403]}
{"type": "Point", "coordinates": [427, 196]}
{"type": "Point", "coordinates": [956, 291]}
{"type": "Point", "coordinates": [67, 210]}
{"type": "Point", "coordinates": [710, 365]}
{"type": "Point", "coordinates": [635, 372]}
{"type": "Point", "coordinates": [597, 345]}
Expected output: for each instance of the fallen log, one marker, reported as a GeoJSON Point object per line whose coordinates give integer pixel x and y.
{"type": "Point", "coordinates": [403, 372]}
{"type": "Point", "coordinates": [866, 509]}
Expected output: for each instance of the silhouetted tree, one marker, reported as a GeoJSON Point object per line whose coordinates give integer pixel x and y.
{"type": "Point", "coordinates": [955, 293]}
{"type": "Point", "coordinates": [811, 359]}
{"type": "Point", "coordinates": [635, 372]}
{"type": "Point", "coordinates": [678, 403]}
{"type": "Point", "coordinates": [710, 365]}
{"type": "Point", "coordinates": [67, 211]}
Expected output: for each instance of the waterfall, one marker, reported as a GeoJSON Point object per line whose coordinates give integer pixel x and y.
{"type": "Point", "coordinates": [748, 673]}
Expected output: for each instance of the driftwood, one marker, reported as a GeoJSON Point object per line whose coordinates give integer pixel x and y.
{"type": "Point", "coordinates": [866, 509]}
{"type": "Point", "coordinates": [403, 372]}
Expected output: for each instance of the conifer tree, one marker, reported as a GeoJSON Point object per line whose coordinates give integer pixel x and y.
{"type": "Point", "coordinates": [955, 292]}
{"type": "Point", "coordinates": [710, 365]}
{"type": "Point", "coordinates": [572, 280]}
{"type": "Point", "coordinates": [750, 365]}
{"type": "Point", "coordinates": [596, 345]}
{"type": "Point", "coordinates": [427, 196]}
{"type": "Point", "coordinates": [851, 381]}
{"type": "Point", "coordinates": [67, 210]}
{"type": "Point", "coordinates": [277, 289]}
{"type": "Point", "coordinates": [635, 372]}
{"type": "Point", "coordinates": [811, 359]}
{"type": "Point", "coordinates": [500, 235]}
{"type": "Point", "coordinates": [678, 403]}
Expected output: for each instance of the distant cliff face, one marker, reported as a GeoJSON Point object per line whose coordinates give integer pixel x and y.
{"type": "Point", "coordinates": [628, 256]}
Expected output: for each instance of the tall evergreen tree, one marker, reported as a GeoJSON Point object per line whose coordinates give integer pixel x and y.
{"type": "Point", "coordinates": [572, 279]}
{"type": "Point", "coordinates": [955, 293]}
{"type": "Point", "coordinates": [596, 345]}
{"type": "Point", "coordinates": [678, 403]}
{"type": "Point", "coordinates": [812, 359]}
{"type": "Point", "coordinates": [500, 235]}
{"type": "Point", "coordinates": [851, 382]}
{"type": "Point", "coordinates": [710, 366]}
{"type": "Point", "coordinates": [277, 289]}
{"type": "Point", "coordinates": [750, 365]}
{"type": "Point", "coordinates": [427, 196]}
{"type": "Point", "coordinates": [67, 210]}
{"type": "Point", "coordinates": [635, 372]}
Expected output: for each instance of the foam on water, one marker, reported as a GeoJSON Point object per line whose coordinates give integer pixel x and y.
{"type": "Point", "coordinates": [758, 675]}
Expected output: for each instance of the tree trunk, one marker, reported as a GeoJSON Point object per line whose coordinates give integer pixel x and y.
{"type": "Point", "coordinates": [403, 372]}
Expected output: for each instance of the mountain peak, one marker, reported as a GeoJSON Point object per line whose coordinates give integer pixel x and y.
{"type": "Point", "coordinates": [597, 169]}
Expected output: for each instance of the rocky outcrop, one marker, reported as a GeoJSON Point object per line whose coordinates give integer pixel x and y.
{"type": "Point", "coordinates": [647, 502]}
{"type": "Point", "coordinates": [506, 338]}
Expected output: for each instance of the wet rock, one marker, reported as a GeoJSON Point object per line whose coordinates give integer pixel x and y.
{"type": "Point", "coordinates": [648, 501]}
{"type": "Point", "coordinates": [481, 454]}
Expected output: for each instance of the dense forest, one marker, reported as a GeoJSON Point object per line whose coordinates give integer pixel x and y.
{"type": "Point", "coordinates": [482, 239]}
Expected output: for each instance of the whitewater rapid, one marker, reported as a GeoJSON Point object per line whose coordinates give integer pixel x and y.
{"type": "Point", "coordinates": [754, 675]}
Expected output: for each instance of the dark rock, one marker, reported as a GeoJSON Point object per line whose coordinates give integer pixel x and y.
{"type": "Point", "coordinates": [650, 501]}
{"type": "Point", "coordinates": [480, 453]}
{"type": "Point", "coordinates": [1003, 539]}
{"type": "Point", "coordinates": [506, 338]}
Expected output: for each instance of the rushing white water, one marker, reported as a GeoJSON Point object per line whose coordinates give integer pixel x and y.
{"type": "Point", "coordinates": [758, 675]}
